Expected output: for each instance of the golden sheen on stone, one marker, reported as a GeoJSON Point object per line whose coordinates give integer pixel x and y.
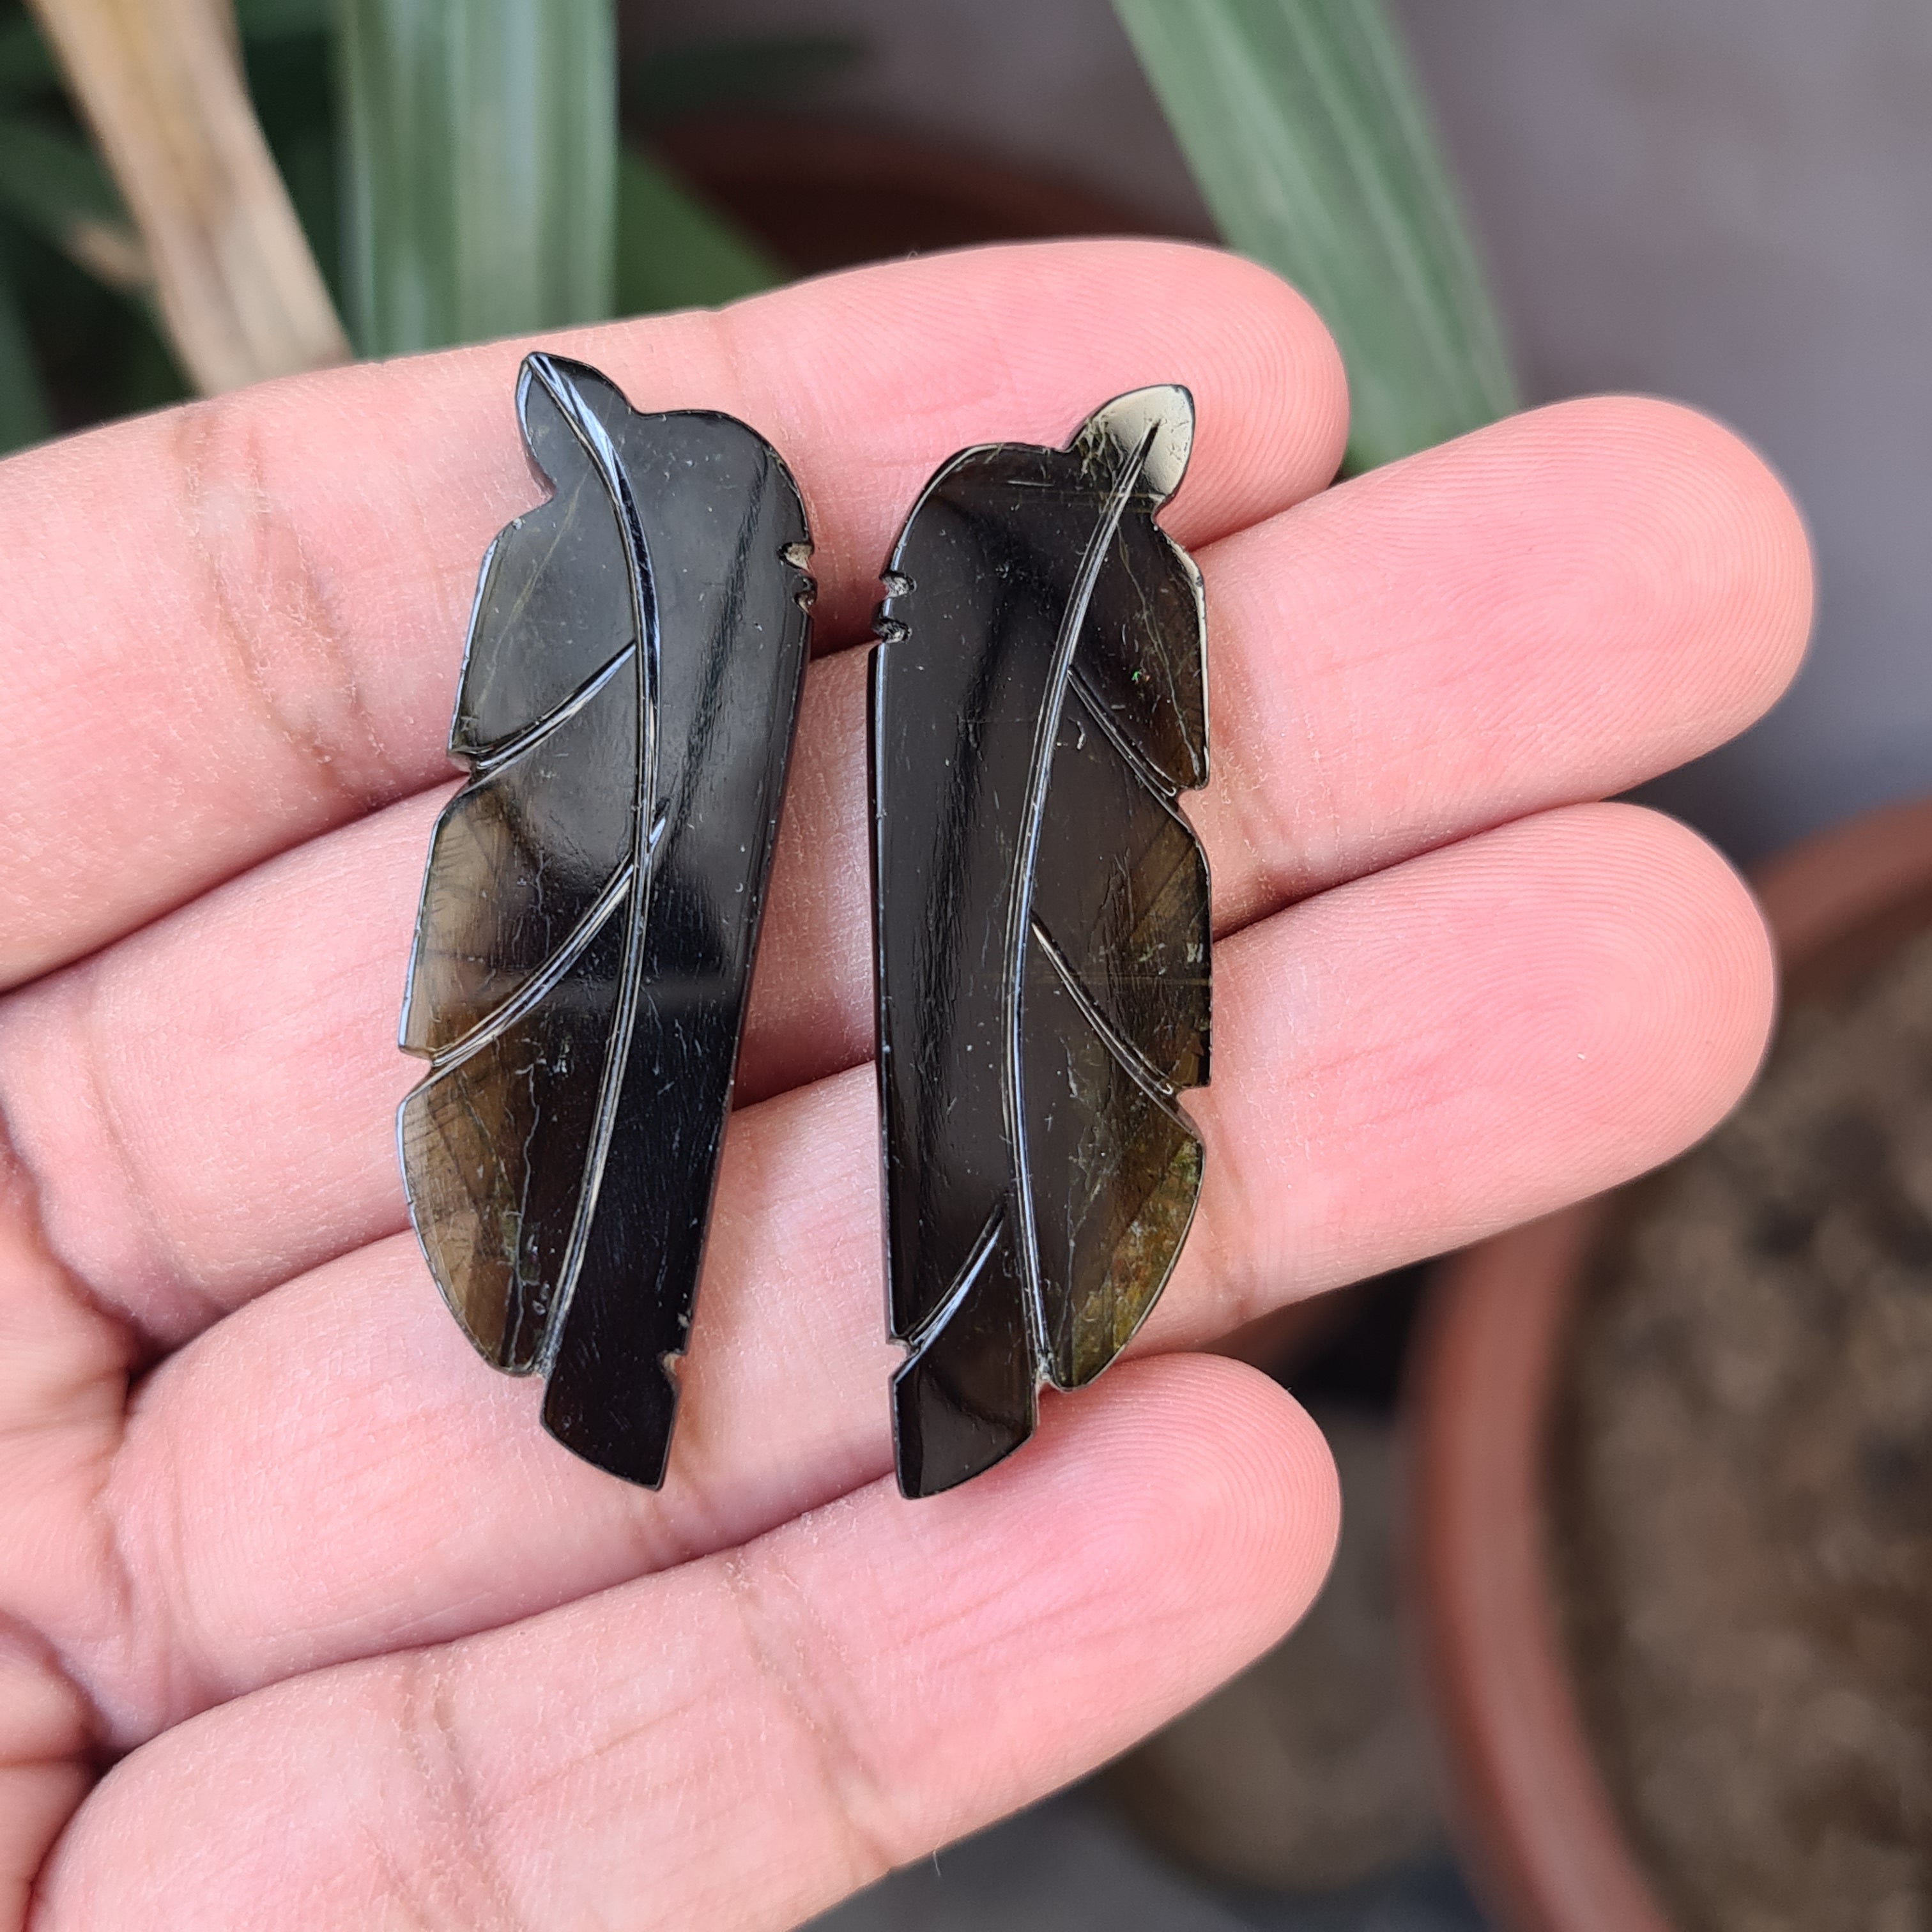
{"type": "Point", "coordinates": [592, 902]}
{"type": "Point", "coordinates": [1038, 700]}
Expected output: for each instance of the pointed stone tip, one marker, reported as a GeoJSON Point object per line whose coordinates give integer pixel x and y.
{"type": "Point", "coordinates": [541, 369]}
{"type": "Point", "coordinates": [554, 392]}
{"type": "Point", "coordinates": [537, 410]}
{"type": "Point", "coordinates": [1166, 410]}
{"type": "Point", "coordinates": [555, 377]}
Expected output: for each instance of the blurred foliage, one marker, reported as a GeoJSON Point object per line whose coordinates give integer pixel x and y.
{"type": "Point", "coordinates": [673, 252]}
{"type": "Point", "coordinates": [79, 339]}
{"type": "Point", "coordinates": [1305, 127]}
{"type": "Point", "coordinates": [455, 232]}
{"type": "Point", "coordinates": [389, 120]}
{"type": "Point", "coordinates": [23, 404]}
{"type": "Point", "coordinates": [704, 75]}
{"type": "Point", "coordinates": [53, 183]}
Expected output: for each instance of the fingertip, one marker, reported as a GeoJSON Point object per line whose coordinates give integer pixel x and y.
{"type": "Point", "coordinates": [1468, 1040]}
{"type": "Point", "coordinates": [1643, 985]}
{"type": "Point", "coordinates": [1702, 1001]}
{"type": "Point", "coordinates": [1217, 1483]}
{"type": "Point", "coordinates": [1042, 333]}
{"type": "Point", "coordinates": [1705, 516]}
{"type": "Point", "coordinates": [1278, 425]}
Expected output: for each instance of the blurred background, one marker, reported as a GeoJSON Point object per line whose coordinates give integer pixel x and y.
{"type": "Point", "coordinates": [1628, 1631]}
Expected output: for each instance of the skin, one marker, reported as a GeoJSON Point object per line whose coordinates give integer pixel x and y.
{"type": "Point", "coordinates": [303, 1621]}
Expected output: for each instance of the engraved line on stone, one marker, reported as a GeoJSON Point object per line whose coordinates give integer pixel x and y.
{"type": "Point", "coordinates": [463, 719]}
{"type": "Point", "coordinates": [596, 442]}
{"type": "Point", "coordinates": [1136, 760]}
{"type": "Point", "coordinates": [1197, 598]}
{"type": "Point", "coordinates": [1020, 918]}
{"type": "Point", "coordinates": [1166, 659]}
{"type": "Point", "coordinates": [709, 699]}
{"type": "Point", "coordinates": [917, 1338]}
{"type": "Point", "coordinates": [544, 980]}
{"type": "Point", "coordinates": [531, 736]}
{"type": "Point", "coordinates": [1197, 589]}
{"type": "Point", "coordinates": [1143, 1070]}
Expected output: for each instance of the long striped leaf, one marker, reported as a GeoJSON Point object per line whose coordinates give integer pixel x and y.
{"type": "Point", "coordinates": [1306, 129]}
{"type": "Point", "coordinates": [481, 164]}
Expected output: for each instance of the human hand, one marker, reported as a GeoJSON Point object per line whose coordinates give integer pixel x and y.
{"type": "Point", "coordinates": [361, 1644]}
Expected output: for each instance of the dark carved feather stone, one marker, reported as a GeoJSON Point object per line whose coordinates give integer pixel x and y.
{"type": "Point", "coordinates": [1038, 699]}
{"type": "Point", "coordinates": [592, 903]}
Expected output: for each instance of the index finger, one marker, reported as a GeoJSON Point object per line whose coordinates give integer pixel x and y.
{"type": "Point", "coordinates": [237, 624]}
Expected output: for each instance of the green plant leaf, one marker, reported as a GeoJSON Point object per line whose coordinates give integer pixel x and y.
{"type": "Point", "coordinates": [26, 64]}
{"type": "Point", "coordinates": [673, 252]}
{"type": "Point", "coordinates": [1305, 127]}
{"type": "Point", "coordinates": [24, 416]}
{"type": "Point", "coordinates": [670, 82]}
{"type": "Point", "coordinates": [480, 149]}
{"type": "Point", "coordinates": [278, 19]}
{"type": "Point", "coordinates": [55, 185]}
{"type": "Point", "coordinates": [100, 351]}
{"type": "Point", "coordinates": [292, 82]}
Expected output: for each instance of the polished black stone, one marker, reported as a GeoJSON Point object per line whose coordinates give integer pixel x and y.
{"type": "Point", "coordinates": [1038, 698]}
{"type": "Point", "coordinates": [591, 904]}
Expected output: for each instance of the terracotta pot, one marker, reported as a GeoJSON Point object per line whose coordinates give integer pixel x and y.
{"type": "Point", "coordinates": [1542, 1839]}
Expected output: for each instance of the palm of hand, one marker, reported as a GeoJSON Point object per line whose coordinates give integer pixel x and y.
{"type": "Point", "coordinates": [363, 1645]}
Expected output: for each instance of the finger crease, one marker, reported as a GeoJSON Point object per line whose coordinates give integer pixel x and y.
{"type": "Point", "coordinates": [111, 1583]}
{"type": "Point", "coordinates": [32, 1205]}
{"type": "Point", "coordinates": [460, 1881]}
{"type": "Point", "coordinates": [263, 584]}
{"type": "Point", "coordinates": [854, 1793]}
{"type": "Point", "coordinates": [165, 1256]}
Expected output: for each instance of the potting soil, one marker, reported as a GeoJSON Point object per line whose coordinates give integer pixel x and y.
{"type": "Point", "coordinates": [1741, 1496]}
